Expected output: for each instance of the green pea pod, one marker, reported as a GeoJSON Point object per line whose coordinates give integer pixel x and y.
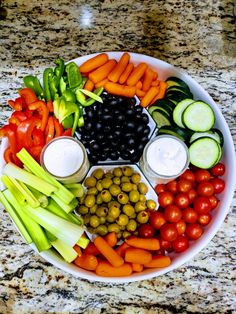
{"type": "Point", "coordinates": [73, 74]}
{"type": "Point", "coordinates": [91, 101]}
{"type": "Point", "coordinates": [68, 122]}
{"type": "Point", "coordinates": [46, 75]}
{"type": "Point", "coordinates": [32, 82]}
{"type": "Point", "coordinates": [92, 95]}
{"type": "Point", "coordinates": [80, 96]}
{"type": "Point", "coordinates": [59, 69]}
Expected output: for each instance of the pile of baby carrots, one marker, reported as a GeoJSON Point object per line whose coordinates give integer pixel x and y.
{"type": "Point", "coordinates": [123, 78]}
{"type": "Point", "coordinates": [107, 259]}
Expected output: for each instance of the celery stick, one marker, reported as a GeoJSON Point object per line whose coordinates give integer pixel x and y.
{"type": "Point", "coordinates": [50, 236]}
{"type": "Point", "coordinates": [62, 192]}
{"type": "Point", "coordinates": [66, 207]}
{"type": "Point", "coordinates": [83, 242]}
{"type": "Point", "coordinates": [76, 188]}
{"type": "Point", "coordinates": [16, 219]}
{"type": "Point", "coordinates": [54, 208]}
{"type": "Point", "coordinates": [14, 190]}
{"type": "Point", "coordinates": [74, 218]}
{"type": "Point", "coordinates": [35, 230]}
{"type": "Point", "coordinates": [43, 200]}
{"type": "Point", "coordinates": [66, 251]}
{"type": "Point", "coordinates": [24, 176]}
{"type": "Point", "coordinates": [67, 231]}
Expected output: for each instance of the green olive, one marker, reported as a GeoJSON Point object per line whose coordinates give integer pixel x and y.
{"type": "Point", "coordinates": [122, 198]}
{"type": "Point", "coordinates": [94, 221]}
{"type": "Point", "coordinates": [127, 171]}
{"type": "Point", "coordinates": [98, 173]}
{"type": "Point", "coordinates": [110, 218]}
{"type": "Point", "coordinates": [114, 189]}
{"type": "Point", "coordinates": [151, 204]}
{"type": "Point", "coordinates": [106, 183]}
{"type": "Point", "coordinates": [143, 189]}
{"type": "Point", "coordinates": [142, 198]}
{"type": "Point", "coordinates": [86, 219]}
{"type": "Point", "coordinates": [93, 209]}
{"type": "Point", "coordinates": [116, 180]}
{"type": "Point", "coordinates": [128, 210]}
{"type": "Point", "coordinates": [139, 206]}
{"type": "Point", "coordinates": [114, 203]}
{"type": "Point", "coordinates": [109, 175]}
{"type": "Point", "coordinates": [102, 220]}
{"type": "Point", "coordinates": [90, 182]}
{"type": "Point", "coordinates": [122, 228]}
{"type": "Point", "coordinates": [124, 179]}
{"type": "Point", "coordinates": [83, 210]}
{"type": "Point", "coordinates": [114, 228]}
{"type": "Point", "coordinates": [132, 225]}
{"type": "Point", "coordinates": [119, 235]}
{"type": "Point", "coordinates": [142, 217]}
{"type": "Point", "coordinates": [91, 230]}
{"type": "Point", "coordinates": [102, 211]}
{"type": "Point", "coordinates": [99, 185]}
{"type": "Point", "coordinates": [93, 191]}
{"type": "Point", "coordinates": [81, 199]}
{"type": "Point", "coordinates": [134, 187]}
{"type": "Point", "coordinates": [126, 187]}
{"type": "Point", "coordinates": [89, 200]}
{"type": "Point", "coordinates": [126, 234]}
{"type": "Point", "coordinates": [99, 199]}
{"type": "Point", "coordinates": [106, 196]}
{"type": "Point", "coordinates": [101, 230]}
{"type": "Point", "coordinates": [122, 220]}
{"type": "Point", "coordinates": [133, 216]}
{"type": "Point", "coordinates": [136, 178]}
{"type": "Point", "coordinates": [114, 211]}
{"type": "Point", "coordinates": [134, 196]}
{"type": "Point", "coordinates": [117, 172]}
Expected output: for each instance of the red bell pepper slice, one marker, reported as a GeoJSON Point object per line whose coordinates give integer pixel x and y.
{"type": "Point", "coordinates": [58, 127]}
{"type": "Point", "coordinates": [25, 130]}
{"type": "Point", "coordinates": [50, 130]}
{"type": "Point", "coordinates": [9, 156]}
{"type": "Point", "coordinates": [38, 137]}
{"type": "Point", "coordinates": [35, 152]}
{"type": "Point", "coordinates": [28, 95]}
{"type": "Point", "coordinates": [67, 132]}
{"type": "Point", "coordinates": [42, 107]}
{"type": "Point", "coordinates": [9, 131]}
{"type": "Point", "coordinates": [50, 106]}
{"type": "Point", "coordinates": [17, 117]}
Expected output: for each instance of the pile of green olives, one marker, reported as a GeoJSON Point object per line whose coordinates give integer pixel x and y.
{"type": "Point", "coordinates": [115, 201]}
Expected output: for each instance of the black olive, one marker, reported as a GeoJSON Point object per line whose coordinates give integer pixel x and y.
{"type": "Point", "coordinates": [130, 125]}
{"type": "Point", "coordinates": [98, 125]}
{"type": "Point", "coordinates": [140, 129]}
{"type": "Point", "coordinates": [93, 159]}
{"type": "Point", "coordinates": [129, 112]}
{"type": "Point", "coordinates": [140, 147]}
{"type": "Point", "coordinates": [114, 155]}
{"type": "Point", "coordinates": [107, 129]}
{"type": "Point", "coordinates": [138, 109]}
{"type": "Point", "coordinates": [125, 155]}
{"type": "Point", "coordinates": [120, 118]}
{"type": "Point", "coordinates": [86, 137]}
{"type": "Point", "coordinates": [138, 116]}
{"type": "Point", "coordinates": [145, 118]}
{"type": "Point", "coordinates": [122, 147]}
{"type": "Point", "coordinates": [100, 136]}
{"type": "Point", "coordinates": [94, 146]}
{"type": "Point", "coordinates": [100, 112]}
{"type": "Point", "coordinates": [134, 157]}
{"type": "Point", "coordinates": [131, 142]}
{"type": "Point", "coordinates": [103, 156]}
{"type": "Point", "coordinates": [88, 126]}
{"type": "Point", "coordinates": [146, 130]}
{"type": "Point", "coordinates": [144, 139]}
{"type": "Point", "coordinates": [107, 118]}
{"type": "Point", "coordinates": [127, 136]}
{"type": "Point", "coordinates": [117, 132]}
{"type": "Point", "coordinates": [110, 137]}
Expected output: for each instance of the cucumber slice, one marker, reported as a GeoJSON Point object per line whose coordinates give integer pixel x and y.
{"type": "Point", "coordinates": [177, 96]}
{"type": "Point", "coordinates": [210, 134]}
{"type": "Point", "coordinates": [198, 117]}
{"type": "Point", "coordinates": [165, 102]}
{"type": "Point", "coordinates": [217, 131]}
{"type": "Point", "coordinates": [161, 118]}
{"type": "Point", "coordinates": [182, 134]}
{"type": "Point", "coordinates": [205, 152]}
{"type": "Point", "coordinates": [175, 81]}
{"type": "Point", "coordinates": [179, 89]}
{"type": "Point", "coordinates": [162, 109]}
{"type": "Point", "coordinates": [179, 109]}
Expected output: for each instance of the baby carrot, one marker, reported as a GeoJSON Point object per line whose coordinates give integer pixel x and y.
{"type": "Point", "coordinates": [89, 85]}
{"type": "Point", "coordinates": [139, 85]}
{"type": "Point", "coordinates": [158, 261]}
{"type": "Point", "coordinates": [120, 90]}
{"type": "Point", "coordinates": [143, 243]}
{"type": "Point", "coordinates": [91, 249]}
{"type": "Point", "coordinates": [162, 90]}
{"type": "Point", "coordinates": [108, 252]}
{"type": "Point", "coordinates": [78, 250]}
{"type": "Point", "coordinates": [105, 269]}
{"type": "Point", "coordinates": [140, 93]}
{"type": "Point", "coordinates": [101, 83]}
{"type": "Point", "coordinates": [155, 83]}
{"type": "Point", "coordinates": [122, 249]}
{"type": "Point", "coordinates": [136, 74]}
{"type": "Point", "coordinates": [93, 63]}
{"type": "Point", "coordinates": [119, 68]}
{"type": "Point", "coordinates": [151, 93]}
{"type": "Point", "coordinates": [137, 267]}
{"type": "Point", "coordinates": [126, 73]}
{"type": "Point", "coordinates": [155, 76]}
{"type": "Point", "coordinates": [147, 79]}
{"type": "Point", "coordinates": [140, 256]}
{"type": "Point", "coordinates": [111, 239]}
{"type": "Point", "coordinates": [102, 72]}
{"type": "Point", "coordinates": [87, 261]}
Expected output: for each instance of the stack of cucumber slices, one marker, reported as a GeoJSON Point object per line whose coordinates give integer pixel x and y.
{"type": "Point", "coordinates": [192, 121]}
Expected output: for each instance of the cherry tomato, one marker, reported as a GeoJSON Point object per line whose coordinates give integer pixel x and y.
{"type": "Point", "coordinates": [165, 245]}
{"type": "Point", "coordinates": [188, 175]}
{"type": "Point", "coordinates": [160, 188]}
{"type": "Point", "coordinates": [192, 194]}
{"type": "Point", "coordinates": [146, 231]}
{"type": "Point", "coordinates": [157, 219]}
{"type": "Point", "coordinates": [181, 244]}
{"type": "Point", "coordinates": [182, 200]}
{"type": "Point", "coordinates": [204, 219]}
{"type": "Point", "coordinates": [205, 189]}
{"type": "Point", "coordinates": [181, 226]}
{"type": "Point", "coordinates": [218, 170]}
{"type": "Point", "coordinates": [202, 205]}
{"type": "Point", "coordinates": [172, 213]}
{"type": "Point", "coordinates": [190, 215]}
{"type": "Point", "coordinates": [194, 231]}
{"type": "Point", "coordinates": [172, 186]}
{"type": "Point", "coordinates": [214, 201]}
{"type": "Point", "coordinates": [202, 175]}
{"type": "Point", "coordinates": [169, 232]}
{"type": "Point", "coordinates": [218, 185]}
{"type": "Point", "coordinates": [165, 199]}
{"type": "Point", "coordinates": [184, 185]}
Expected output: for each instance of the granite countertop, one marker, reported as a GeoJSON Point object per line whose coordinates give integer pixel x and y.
{"type": "Point", "coordinates": [197, 36]}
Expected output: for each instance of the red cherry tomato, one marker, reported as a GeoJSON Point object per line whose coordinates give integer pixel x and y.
{"type": "Point", "coordinates": [181, 226]}
{"type": "Point", "coordinates": [202, 205]}
{"type": "Point", "coordinates": [194, 231]}
{"type": "Point", "coordinates": [184, 185]}
{"type": "Point", "coordinates": [218, 184]}
{"type": "Point", "coordinates": [165, 245]}
{"type": "Point", "coordinates": [159, 188]}
{"type": "Point", "coordinates": [218, 170]}
{"type": "Point", "coordinates": [181, 244]}
{"type": "Point", "coordinates": [192, 194]}
{"type": "Point", "coordinates": [146, 231]}
{"type": "Point", "coordinates": [172, 213]}
{"type": "Point", "coordinates": [157, 220]}
{"type": "Point", "coordinates": [204, 219]}
{"type": "Point", "coordinates": [182, 200]}
{"type": "Point", "coordinates": [202, 175]}
{"type": "Point", "coordinates": [172, 186]}
{"type": "Point", "coordinates": [190, 215]}
{"type": "Point", "coordinates": [188, 175]}
{"type": "Point", "coordinates": [214, 201]}
{"type": "Point", "coordinates": [169, 232]}
{"type": "Point", "coordinates": [205, 189]}
{"type": "Point", "coordinates": [165, 199]}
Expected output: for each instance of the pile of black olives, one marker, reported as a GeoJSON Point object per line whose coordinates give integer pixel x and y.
{"type": "Point", "coordinates": [116, 128]}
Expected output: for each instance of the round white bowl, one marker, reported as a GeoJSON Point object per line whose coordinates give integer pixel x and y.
{"type": "Point", "coordinates": [228, 158]}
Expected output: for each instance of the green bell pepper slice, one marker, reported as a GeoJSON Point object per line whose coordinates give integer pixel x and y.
{"type": "Point", "coordinates": [73, 74]}
{"type": "Point", "coordinates": [32, 82]}
{"type": "Point", "coordinates": [46, 75]}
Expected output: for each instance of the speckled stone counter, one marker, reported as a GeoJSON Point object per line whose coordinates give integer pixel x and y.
{"type": "Point", "coordinates": [197, 36]}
